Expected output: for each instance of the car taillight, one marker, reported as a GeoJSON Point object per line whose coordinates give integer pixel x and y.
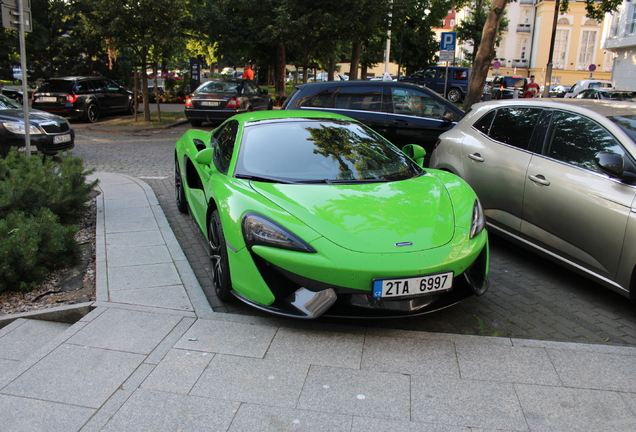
{"type": "Point", "coordinates": [189, 103]}
{"type": "Point", "coordinates": [233, 103]}
{"type": "Point", "coordinates": [71, 98]}
{"type": "Point", "coordinates": [437, 144]}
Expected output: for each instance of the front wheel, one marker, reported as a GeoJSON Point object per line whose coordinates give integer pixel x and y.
{"type": "Point", "coordinates": [218, 258]}
{"type": "Point", "coordinates": [179, 192]}
{"type": "Point", "coordinates": [454, 95]}
{"type": "Point", "coordinates": [132, 107]}
{"type": "Point", "coordinates": [92, 113]}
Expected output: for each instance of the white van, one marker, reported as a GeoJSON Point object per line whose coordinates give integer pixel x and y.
{"type": "Point", "coordinates": [586, 84]}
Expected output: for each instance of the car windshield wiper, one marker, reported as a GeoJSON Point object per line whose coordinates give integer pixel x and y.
{"type": "Point", "coordinates": [345, 181]}
{"type": "Point", "coordinates": [263, 179]}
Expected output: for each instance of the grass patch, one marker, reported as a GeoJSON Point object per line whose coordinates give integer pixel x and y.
{"type": "Point", "coordinates": [167, 118]}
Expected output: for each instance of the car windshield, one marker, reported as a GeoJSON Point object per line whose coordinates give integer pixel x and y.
{"type": "Point", "coordinates": [320, 151]}
{"type": "Point", "coordinates": [219, 87]}
{"type": "Point", "coordinates": [7, 103]}
{"type": "Point", "coordinates": [627, 123]}
{"type": "Point", "coordinates": [63, 86]}
{"type": "Point", "coordinates": [514, 81]}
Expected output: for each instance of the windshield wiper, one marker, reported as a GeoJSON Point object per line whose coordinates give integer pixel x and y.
{"type": "Point", "coordinates": [263, 179]}
{"type": "Point", "coordinates": [345, 181]}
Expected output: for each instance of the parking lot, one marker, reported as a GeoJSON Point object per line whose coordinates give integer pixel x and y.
{"type": "Point", "coordinates": [529, 297]}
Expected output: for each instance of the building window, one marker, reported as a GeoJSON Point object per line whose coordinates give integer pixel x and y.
{"type": "Point", "coordinates": [586, 55]}
{"type": "Point", "coordinates": [560, 48]}
{"type": "Point", "coordinates": [615, 26]}
{"type": "Point", "coordinates": [522, 44]}
{"type": "Point", "coordinates": [563, 21]}
{"type": "Point", "coordinates": [452, 23]}
{"type": "Point", "coordinates": [630, 26]}
{"type": "Point", "coordinates": [591, 22]}
{"type": "Point", "coordinates": [608, 61]}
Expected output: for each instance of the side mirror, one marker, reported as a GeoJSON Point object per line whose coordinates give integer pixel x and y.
{"type": "Point", "coordinates": [611, 163]}
{"type": "Point", "coordinates": [415, 152]}
{"type": "Point", "coordinates": [204, 157]}
{"type": "Point", "coordinates": [448, 117]}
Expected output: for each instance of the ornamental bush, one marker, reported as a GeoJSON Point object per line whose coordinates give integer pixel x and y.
{"type": "Point", "coordinates": [40, 201]}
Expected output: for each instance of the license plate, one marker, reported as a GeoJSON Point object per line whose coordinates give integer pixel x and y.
{"type": "Point", "coordinates": [47, 99]}
{"type": "Point", "coordinates": [383, 288]}
{"type": "Point", "coordinates": [62, 138]}
{"type": "Point", "coordinates": [33, 149]}
{"type": "Point", "coordinates": [209, 104]}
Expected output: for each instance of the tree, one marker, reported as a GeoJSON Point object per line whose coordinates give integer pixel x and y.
{"type": "Point", "coordinates": [486, 52]}
{"type": "Point", "coordinates": [470, 30]}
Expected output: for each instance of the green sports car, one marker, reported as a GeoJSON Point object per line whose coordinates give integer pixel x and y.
{"type": "Point", "coordinates": [306, 214]}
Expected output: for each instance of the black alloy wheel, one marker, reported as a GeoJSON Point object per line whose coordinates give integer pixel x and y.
{"type": "Point", "coordinates": [220, 268]}
{"type": "Point", "coordinates": [454, 95]}
{"type": "Point", "coordinates": [92, 113]}
{"type": "Point", "coordinates": [179, 192]}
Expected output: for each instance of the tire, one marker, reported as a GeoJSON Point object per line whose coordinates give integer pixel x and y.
{"type": "Point", "coordinates": [196, 123]}
{"type": "Point", "coordinates": [220, 267]}
{"type": "Point", "coordinates": [132, 108]}
{"type": "Point", "coordinates": [92, 113]}
{"type": "Point", "coordinates": [179, 192]}
{"type": "Point", "coordinates": [454, 95]}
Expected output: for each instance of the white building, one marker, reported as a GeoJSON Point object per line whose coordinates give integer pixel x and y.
{"type": "Point", "coordinates": [621, 39]}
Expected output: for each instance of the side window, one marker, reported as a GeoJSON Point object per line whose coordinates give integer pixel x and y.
{"type": "Point", "coordinates": [429, 73]}
{"type": "Point", "coordinates": [575, 139]}
{"type": "Point", "coordinates": [98, 84]}
{"type": "Point", "coordinates": [514, 126]}
{"type": "Point", "coordinates": [366, 98]}
{"type": "Point", "coordinates": [483, 124]}
{"type": "Point", "coordinates": [442, 73]}
{"type": "Point", "coordinates": [460, 75]}
{"type": "Point", "coordinates": [83, 86]}
{"type": "Point", "coordinates": [224, 140]}
{"type": "Point", "coordinates": [319, 100]}
{"type": "Point", "coordinates": [249, 88]}
{"type": "Point", "coordinates": [415, 103]}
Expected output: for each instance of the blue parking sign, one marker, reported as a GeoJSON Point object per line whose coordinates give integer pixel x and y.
{"type": "Point", "coordinates": [448, 41]}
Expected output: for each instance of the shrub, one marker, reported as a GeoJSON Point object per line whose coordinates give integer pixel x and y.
{"type": "Point", "coordinates": [31, 245]}
{"type": "Point", "coordinates": [29, 184]}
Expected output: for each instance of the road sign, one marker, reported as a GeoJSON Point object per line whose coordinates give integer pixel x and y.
{"type": "Point", "coordinates": [447, 55]}
{"type": "Point", "coordinates": [496, 65]}
{"type": "Point", "coordinates": [591, 67]}
{"type": "Point", "coordinates": [448, 41]}
{"type": "Point", "coordinates": [11, 15]}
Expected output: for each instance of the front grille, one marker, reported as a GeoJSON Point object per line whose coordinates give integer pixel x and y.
{"type": "Point", "coordinates": [56, 128]}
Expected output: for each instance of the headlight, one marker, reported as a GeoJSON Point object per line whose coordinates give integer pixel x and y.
{"type": "Point", "coordinates": [18, 128]}
{"type": "Point", "coordinates": [478, 222]}
{"type": "Point", "coordinates": [258, 230]}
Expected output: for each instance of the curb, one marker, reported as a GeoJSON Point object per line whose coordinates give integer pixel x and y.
{"type": "Point", "coordinates": [66, 314]}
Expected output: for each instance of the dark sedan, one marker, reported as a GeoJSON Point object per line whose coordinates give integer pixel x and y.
{"type": "Point", "coordinates": [220, 99]}
{"type": "Point", "coordinates": [49, 133]}
{"type": "Point", "coordinates": [16, 95]}
{"type": "Point", "coordinates": [401, 112]}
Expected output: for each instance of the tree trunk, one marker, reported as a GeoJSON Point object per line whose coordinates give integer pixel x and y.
{"type": "Point", "coordinates": [355, 60]}
{"type": "Point", "coordinates": [280, 70]}
{"type": "Point", "coordinates": [485, 54]}
{"type": "Point", "coordinates": [331, 68]}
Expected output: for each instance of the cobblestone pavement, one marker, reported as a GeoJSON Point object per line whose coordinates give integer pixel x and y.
{"type": "Point", "coordinates": [529, 296]}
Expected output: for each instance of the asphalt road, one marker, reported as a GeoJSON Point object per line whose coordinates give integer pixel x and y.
{"type": "Point", "coordinates": [529, 296]}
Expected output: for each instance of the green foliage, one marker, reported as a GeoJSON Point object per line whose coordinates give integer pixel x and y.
{"type": "Point", "coordinates": [31, 245]}
{"type": "Point", "coordinates": [29, 184]}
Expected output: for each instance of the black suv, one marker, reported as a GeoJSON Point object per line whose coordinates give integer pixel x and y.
{"type": "Point", "coordinates": [508, 87]}
{"type": "Point", "coordinates": [434, 77]}
{"type": "Point", "coordinates": [401, 112]}
{"type": "Point", "coordinates": [83, 98]}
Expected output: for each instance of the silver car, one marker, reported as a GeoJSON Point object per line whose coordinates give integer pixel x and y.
{"type": "Point", "coordinates": [556, 177]}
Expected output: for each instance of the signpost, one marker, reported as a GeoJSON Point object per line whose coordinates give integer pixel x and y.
{"type": "Point", "coordinates": [447, 52]}
{"type": "Point", "coordinates": [16, 15]}
{"type": "Point", "coordinates": [591, 68]}
{"type": "Point", "coordinates": [496, 65]}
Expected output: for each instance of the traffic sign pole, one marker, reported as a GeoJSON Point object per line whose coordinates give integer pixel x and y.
{"type": "Point", "coordinates": [447, 52]}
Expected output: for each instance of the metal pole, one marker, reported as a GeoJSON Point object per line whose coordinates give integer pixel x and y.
{"type": "Point", "coordinates": [548, 69]}
{"type": "Point", "coordinates": [25, 92]}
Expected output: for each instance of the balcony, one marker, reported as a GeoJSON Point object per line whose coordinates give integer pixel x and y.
{"type": "Point", "coordinates": [526, 2]}
{"type": "Point", "coordinates": [523, 28]}
{"type": "Point", "coordinates": [520, 63]}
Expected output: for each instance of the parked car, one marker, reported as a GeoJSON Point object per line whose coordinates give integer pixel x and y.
{"type": "Point", "coordinates": [219, 99]}
{"type": "Point", "coordinates": [608, 94]}
{"type": "Point", "coordinates": [434, 77]}
{"type": "Point", "coordinates": [83, 98]}
{"type": "Point", "coordinates": [508, 87]}
{"type": "Point", "coordinates": [557, 177]}
{"type": "Point", "coordinates": [48, 133]}
{"type": "Point", "coordinates": [403, 113]}
{"type": "Point", "coordinates": [283, 201]}
{"type": "Point", "coordinates": [581, 85]}
{"type": "Point", "coordinates": [16, 95]}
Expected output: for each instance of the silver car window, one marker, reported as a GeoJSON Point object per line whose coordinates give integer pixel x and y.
{"type": "Point", "coordinates": [514, 126]}
{"type": "Point", "coordinates": [575, 139]}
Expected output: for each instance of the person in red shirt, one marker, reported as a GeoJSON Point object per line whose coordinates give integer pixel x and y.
{"type": "Point", "coordinates": [532, 89]}
{"type": "Point", "coordinates": [248, 73]}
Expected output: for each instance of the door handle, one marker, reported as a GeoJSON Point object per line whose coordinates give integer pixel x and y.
{"type": "Point", "coordinates": [476, 157]}
{"type": "Point", "coordinates": [539, 179]}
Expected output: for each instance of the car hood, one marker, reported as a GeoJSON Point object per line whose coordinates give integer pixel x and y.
{"type": "Point", "coordinates": [402, 216]}
{"type": "Point", "coordinates": [35, 116]}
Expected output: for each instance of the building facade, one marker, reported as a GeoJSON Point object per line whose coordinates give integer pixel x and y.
{"type": "Point", "coordinates": [620, 39]}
